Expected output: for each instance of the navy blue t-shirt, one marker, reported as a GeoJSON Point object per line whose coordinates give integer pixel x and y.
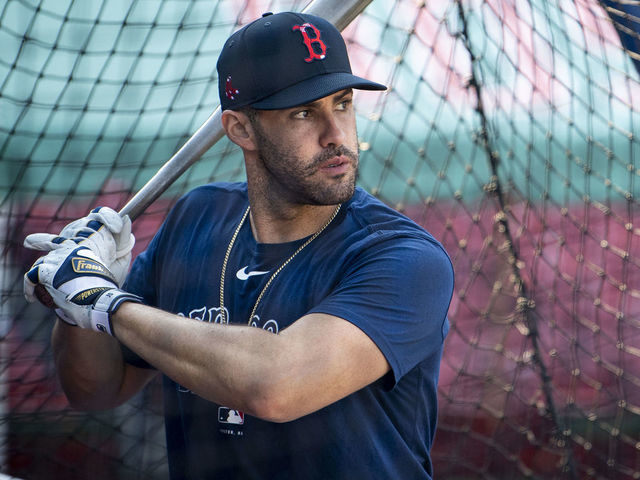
{"type": "Point", "coordinates": [372, 267]}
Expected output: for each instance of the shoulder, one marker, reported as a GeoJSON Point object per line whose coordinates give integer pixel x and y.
{"type": "Point", "coordinates": [209, 201]}
{"type": "Point", "coordinates": [374, 215]}
{"type": "Point", "coordinates": [220, 191]}
{"type": "Point", "coordinates": [205, 209]}
{"type": "Point", "coordinates": [377, 223]}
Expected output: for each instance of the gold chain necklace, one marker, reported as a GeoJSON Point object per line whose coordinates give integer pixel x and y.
{"type": "Point", "coordinates": [270, 281]}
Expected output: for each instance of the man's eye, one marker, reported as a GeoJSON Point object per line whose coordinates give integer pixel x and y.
{"type": "Point", "coordinates": [302, 114]}
{"type": "Point", "coordinates": [344, 105]}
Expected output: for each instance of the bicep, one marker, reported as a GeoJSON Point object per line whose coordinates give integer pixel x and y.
{"type": "Point", "coordinates": [91, 368]}
{"type": "Point", "coordinates": [398, 294]}
{"type": "Point", "coordinates": [387, 314]}
{"type": "Point", "coordinates": [134, 379]}
{"type": "Point", "coordinates": [329, 358]}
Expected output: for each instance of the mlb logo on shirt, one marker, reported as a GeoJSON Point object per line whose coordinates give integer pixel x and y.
{"type": "Point", "coordinates": [227, 415]}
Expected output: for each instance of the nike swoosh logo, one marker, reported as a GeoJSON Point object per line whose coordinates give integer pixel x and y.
{"type": "Point", "coordinates": [242, 274]}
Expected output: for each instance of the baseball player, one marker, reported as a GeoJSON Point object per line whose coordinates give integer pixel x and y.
{"type": "Point", "coordinates": [297, 322]}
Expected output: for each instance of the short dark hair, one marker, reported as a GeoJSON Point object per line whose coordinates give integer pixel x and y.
{"type": "Point", "coordinates": [250, 112]}
{"type": "Point", "coordinates": [252, 115]}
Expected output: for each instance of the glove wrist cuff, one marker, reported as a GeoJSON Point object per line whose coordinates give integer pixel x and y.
{"type": "Point", "coordinates": [106, 305]}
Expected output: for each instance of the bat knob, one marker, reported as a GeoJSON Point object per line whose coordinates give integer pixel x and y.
{"type": "Point", "coordinates": [43, 296]}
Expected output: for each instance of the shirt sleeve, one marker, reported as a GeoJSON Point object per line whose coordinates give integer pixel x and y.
{"type": "Point", "coordinates": [397, 291]}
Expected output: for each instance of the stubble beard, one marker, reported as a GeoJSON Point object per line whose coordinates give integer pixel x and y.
{"type": "Point", "coordinates": [296, 182]}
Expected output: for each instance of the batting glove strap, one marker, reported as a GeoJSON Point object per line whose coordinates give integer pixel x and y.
{"type": "Point", "coordinates": [106, 305]}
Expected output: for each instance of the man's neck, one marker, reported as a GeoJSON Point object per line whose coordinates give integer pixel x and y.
{"type": "Point", "coordinates": [282, 224]}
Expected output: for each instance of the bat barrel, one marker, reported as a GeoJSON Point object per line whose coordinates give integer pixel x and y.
{"type": "Point", "coordinates": [339, 12]}
{"type": "Point", "coordinates": [205, 137]}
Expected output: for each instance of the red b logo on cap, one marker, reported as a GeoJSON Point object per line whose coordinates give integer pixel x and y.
{"type": "Point", "coordinates": [229, 91]}
{"type": "Point", "coordinates": [310, 41]}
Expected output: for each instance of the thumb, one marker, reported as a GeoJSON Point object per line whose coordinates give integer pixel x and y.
{"type": "Point", "coordinates": [107, 217]}
{"type": "Point", "coordinates": [125, 240]}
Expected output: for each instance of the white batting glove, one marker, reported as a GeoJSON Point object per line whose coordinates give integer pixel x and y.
{"type": "Point", "coordinates": [104, 231]}
{"type": "Point", "coordinates": [78, 285]}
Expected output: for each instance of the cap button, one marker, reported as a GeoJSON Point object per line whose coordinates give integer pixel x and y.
{"type": "Point", "coordinates": [267, 14]}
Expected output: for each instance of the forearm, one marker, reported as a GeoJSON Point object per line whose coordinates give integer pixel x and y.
{"type": "Point", "coordinates": [217, 362]}
{"type": "Point", "coordinates": [314, 362]}
{"type": "Point", "coordinates": [89, 365]}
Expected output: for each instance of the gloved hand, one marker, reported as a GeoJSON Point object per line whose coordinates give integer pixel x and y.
{"type": "Point", "coordinates": [82, 289]}
{"type": "Point", "coordinates": [104, 231]}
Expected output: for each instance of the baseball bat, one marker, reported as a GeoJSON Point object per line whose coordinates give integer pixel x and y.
{"type": "Point", "coordinates": [338, 12]}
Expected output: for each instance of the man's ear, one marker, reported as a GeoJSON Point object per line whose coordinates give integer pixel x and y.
{"type": "Point", "coordinates": [238, 128]}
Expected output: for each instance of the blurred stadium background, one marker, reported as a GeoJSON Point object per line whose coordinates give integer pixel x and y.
{"type": "Point", "coordinates": [510, 131]}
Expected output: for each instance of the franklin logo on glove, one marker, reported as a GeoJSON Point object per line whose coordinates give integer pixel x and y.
{"type": "Point", "coordinates": [84, 265]}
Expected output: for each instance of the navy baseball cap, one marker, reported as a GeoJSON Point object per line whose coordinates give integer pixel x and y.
{"type": "Point", "coordinates": [285, 60]}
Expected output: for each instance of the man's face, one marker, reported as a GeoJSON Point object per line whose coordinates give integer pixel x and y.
{"type": "Point", "coordinates": [309, 153]}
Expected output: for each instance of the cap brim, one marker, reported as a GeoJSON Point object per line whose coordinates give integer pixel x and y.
{"type": "Point", "coordinates": [314, 88]}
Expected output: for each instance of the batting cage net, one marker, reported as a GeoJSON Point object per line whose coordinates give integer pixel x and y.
{"type": "Point", "coordinates": [510, 131]}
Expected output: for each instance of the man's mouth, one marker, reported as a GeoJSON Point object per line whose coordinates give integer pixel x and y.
{"type": "Point", "coordinates": [336, 165]}
{"type": "Point", "coordinates": [337, 162]}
